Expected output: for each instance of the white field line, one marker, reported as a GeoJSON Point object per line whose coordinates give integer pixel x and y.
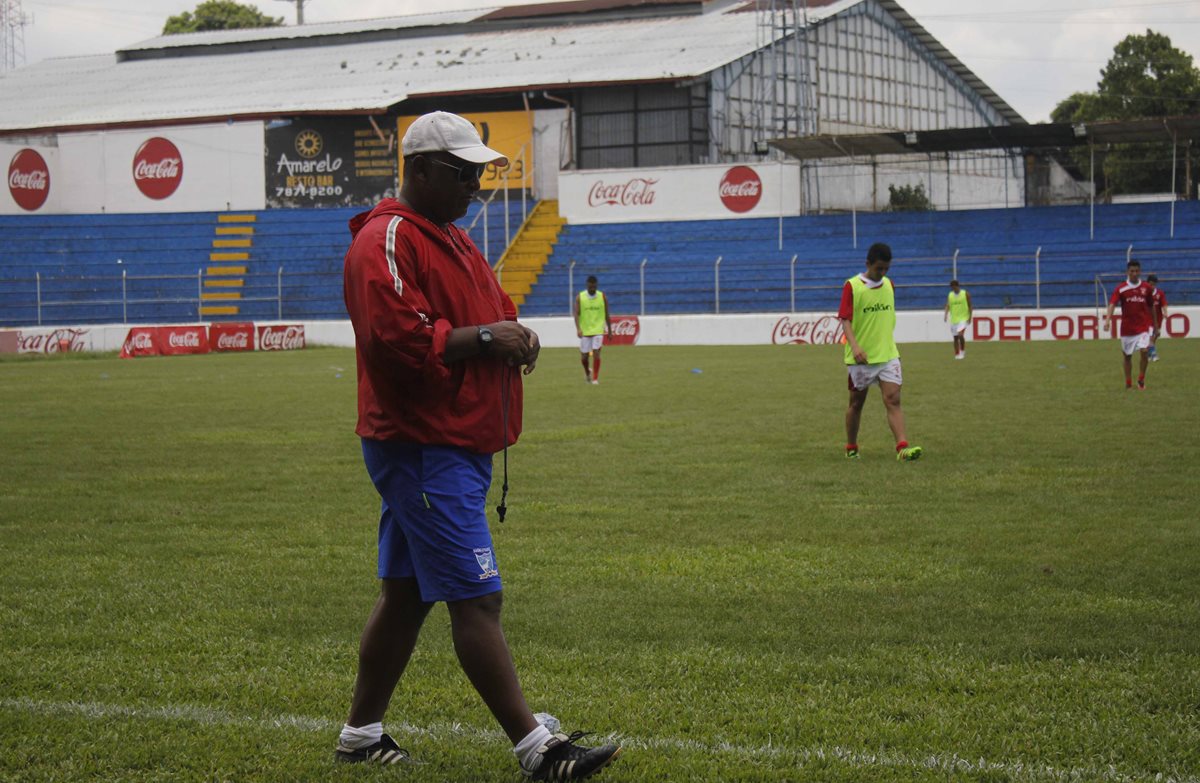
{"type": "Point", "coordinates": [948, 763]}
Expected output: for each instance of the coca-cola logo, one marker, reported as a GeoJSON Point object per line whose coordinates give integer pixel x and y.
{"type": "Point", "coordinates": [825, 330]}
{"type": "Point", "coordinates": [157, 168]}
{"type": "Point", "coordinates": [280, 338]}
{"type": "Point", "coordinates": [634, 192]}
{"type": "Point", "coordinates": [237, 341]}
{"type": "Point", "coordinates": [189, 339]}
{"type": "Point", "coordinates": [740, 189]}
{"type": "Point", "coordinates": [625, 329]}
{"type": "Point", "coordinates": [140, 341]}
{"type": "Point", "coordinates": [29, 179]}
{"type": "Point", "coordinates": [53, 341]}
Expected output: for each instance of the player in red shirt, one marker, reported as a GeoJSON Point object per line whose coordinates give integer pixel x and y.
{"type": "Point", "coordinates": [1137, 319]}
{"type": "Point", "coordinates": [1159, 301]}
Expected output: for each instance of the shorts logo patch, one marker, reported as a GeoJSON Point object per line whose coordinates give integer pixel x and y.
{"type": "Point", "coordinates": [486, 562]}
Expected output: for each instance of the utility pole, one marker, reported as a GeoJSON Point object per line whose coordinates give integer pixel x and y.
{"type": "Point", "coordinates": [299, 10]}
{"type": "Point", "coordinates": [12, 35]}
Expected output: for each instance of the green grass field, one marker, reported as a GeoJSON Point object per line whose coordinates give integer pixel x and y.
{"type": "Point", "coordinates": [187, 559]}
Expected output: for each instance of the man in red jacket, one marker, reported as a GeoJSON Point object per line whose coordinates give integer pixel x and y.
{"type": "Point", "coordinates": [439, 354]}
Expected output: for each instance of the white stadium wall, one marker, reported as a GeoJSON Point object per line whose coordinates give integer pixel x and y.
{"type": "Point", "coordinates": [192, 168]}
{"type": "Point", "coordinates": [681, 193]}
{"type": "Point", "coordinates": [751, 329]}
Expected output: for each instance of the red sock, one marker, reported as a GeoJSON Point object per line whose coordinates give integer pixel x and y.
{"type": "Point", "coordinates": [596, 369]}
{"type": "Point", "coordinates": [902, 445]}
{"type": "Point", "coordinates": [851, 447]}
{"type": "Point", "coordinates": [1141, 379]}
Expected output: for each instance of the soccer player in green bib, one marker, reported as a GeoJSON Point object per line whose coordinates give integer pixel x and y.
{"type": "Point", "coordinates": [868, 316]}
{"type": "Point", "coordinates": [592, 323]}
{"type": "Point", "coordinates": [958, 313]}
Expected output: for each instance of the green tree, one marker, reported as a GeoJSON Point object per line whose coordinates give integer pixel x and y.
{"type": "Point", "coordinates": [219, 15]}
{"type": "Point", "coordinates": [908, 198]}
{"type": "Point", "coordinates": [1145, 77]}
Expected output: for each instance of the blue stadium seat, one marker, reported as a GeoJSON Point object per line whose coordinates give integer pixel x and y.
{"type": "Point", "coordinates": [295, 267]}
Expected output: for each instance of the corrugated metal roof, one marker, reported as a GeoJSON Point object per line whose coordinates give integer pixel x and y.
{"type": "Point", "coordinates": [433, 54]}
{"type": "Point", "coordinates": [366, 76]}
{"type": "Point", "coordinates": [294, 33]}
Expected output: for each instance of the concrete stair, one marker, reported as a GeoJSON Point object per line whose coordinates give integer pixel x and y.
{"type": "Point", "coordinates": [521, 265]}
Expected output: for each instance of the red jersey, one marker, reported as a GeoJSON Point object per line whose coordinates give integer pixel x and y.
{"type": "Point", "coordinates": [1134, 299]}
{"type": "Point", "coordinates": [407, 284]}
{"type": "Point", "coordinates": [1159, 300]}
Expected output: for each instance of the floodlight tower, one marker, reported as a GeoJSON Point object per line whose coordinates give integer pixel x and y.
{"type": "Point", "coordinates": [12, 35]}
{"type": "Point", "coordinates": [299, 10]}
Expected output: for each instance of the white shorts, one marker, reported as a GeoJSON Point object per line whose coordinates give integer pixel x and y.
{"type": "Point", "coordinates": [592, 342]}
{"type": "Point", "coordinates": [958, 329]}
{"type": "Point", "coordinates": [863, 376]}
{"type": "Point", "coordinates": [1136, 342]}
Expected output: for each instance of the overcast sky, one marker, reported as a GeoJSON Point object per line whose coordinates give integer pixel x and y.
{"type": "Point", "coordinates": [1032, 53]}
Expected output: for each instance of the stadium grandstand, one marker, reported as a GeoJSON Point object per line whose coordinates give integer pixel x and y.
{"type": "Point", "coordinates": [720, 156]}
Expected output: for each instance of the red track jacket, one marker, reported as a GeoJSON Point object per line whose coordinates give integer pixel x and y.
{"type": "Point", "coordinates": [408, 283]}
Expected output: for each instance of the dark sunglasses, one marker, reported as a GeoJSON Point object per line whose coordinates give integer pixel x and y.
{"type": "Point", "coordinates": [467, 173]}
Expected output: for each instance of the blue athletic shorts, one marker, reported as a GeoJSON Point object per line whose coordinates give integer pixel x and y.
{"type": "Point", "coordinates": [433, 524]}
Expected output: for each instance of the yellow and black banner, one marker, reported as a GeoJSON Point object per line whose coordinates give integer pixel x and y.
{"type": "Point", "coordinates": [507, 132]}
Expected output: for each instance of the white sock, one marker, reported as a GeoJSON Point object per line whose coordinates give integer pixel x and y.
{"type": "Point", "coordinates": [526, 750]}
{"type": "Point", "coordinates": [361, 737]}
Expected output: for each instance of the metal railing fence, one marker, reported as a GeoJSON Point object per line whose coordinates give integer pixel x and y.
{"type": "Point", "coordinates": [652, 285]}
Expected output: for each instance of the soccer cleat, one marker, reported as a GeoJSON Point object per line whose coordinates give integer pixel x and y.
{"type": "Point", "coordinates": [595, 381]}
{"type": "Point", "coordinates": [851, 453]}
{"type": "Point", "coordinates": [958, 356]}
{"type": "Point", "coordinates": [1141, 385]}
{"type": "Point", "coordinates": [562, 759]}
{"type": "Point", "coordinates": [909, 453]}
{"type": "Point", "coordinates": [384, 752]}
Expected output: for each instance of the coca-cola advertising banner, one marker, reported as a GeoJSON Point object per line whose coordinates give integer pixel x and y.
{"type": "Point", "coordinates": [198, 338]}
{"type": "Point", "coordinates": [231, 337]}
{"type": "Point", "coordinates": [281, 337]}
{"type": "Point", "coordinates": [680, 193]}
{"type": "Point", "coordinates": [29, 180]}
{"type": "Point", "coordinates": [331, 162]}
{"type": "Point", "coordinates": [195, 168]}
{"type": "Point", "coordinates": [63, 339]}
{"type": "Point", "coordinates": [157, 168]}
{"type": "Point", "coordinates": [807, 330]}
{"type": "Point", "coordinates": [165, 341]}
{"type": "Point", "coordinates": [625, 329]}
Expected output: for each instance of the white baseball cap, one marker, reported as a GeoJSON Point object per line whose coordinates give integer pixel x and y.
{"type": "Point", "coordinates": [441, 131]}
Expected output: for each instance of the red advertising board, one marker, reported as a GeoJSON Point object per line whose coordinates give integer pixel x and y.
{"type": "Point", "coordinates": [165, 341]}
{"type": "Point", "coordinates": [625, 330]}
{"type": "Point", "coordinates": [176, 340]}
{"type": "Point", "coordinates": [281, 337]}
{"type": "Point", "coordinates": [231, 337]}
{"type": "Point", "coordinates": [140, 342]}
